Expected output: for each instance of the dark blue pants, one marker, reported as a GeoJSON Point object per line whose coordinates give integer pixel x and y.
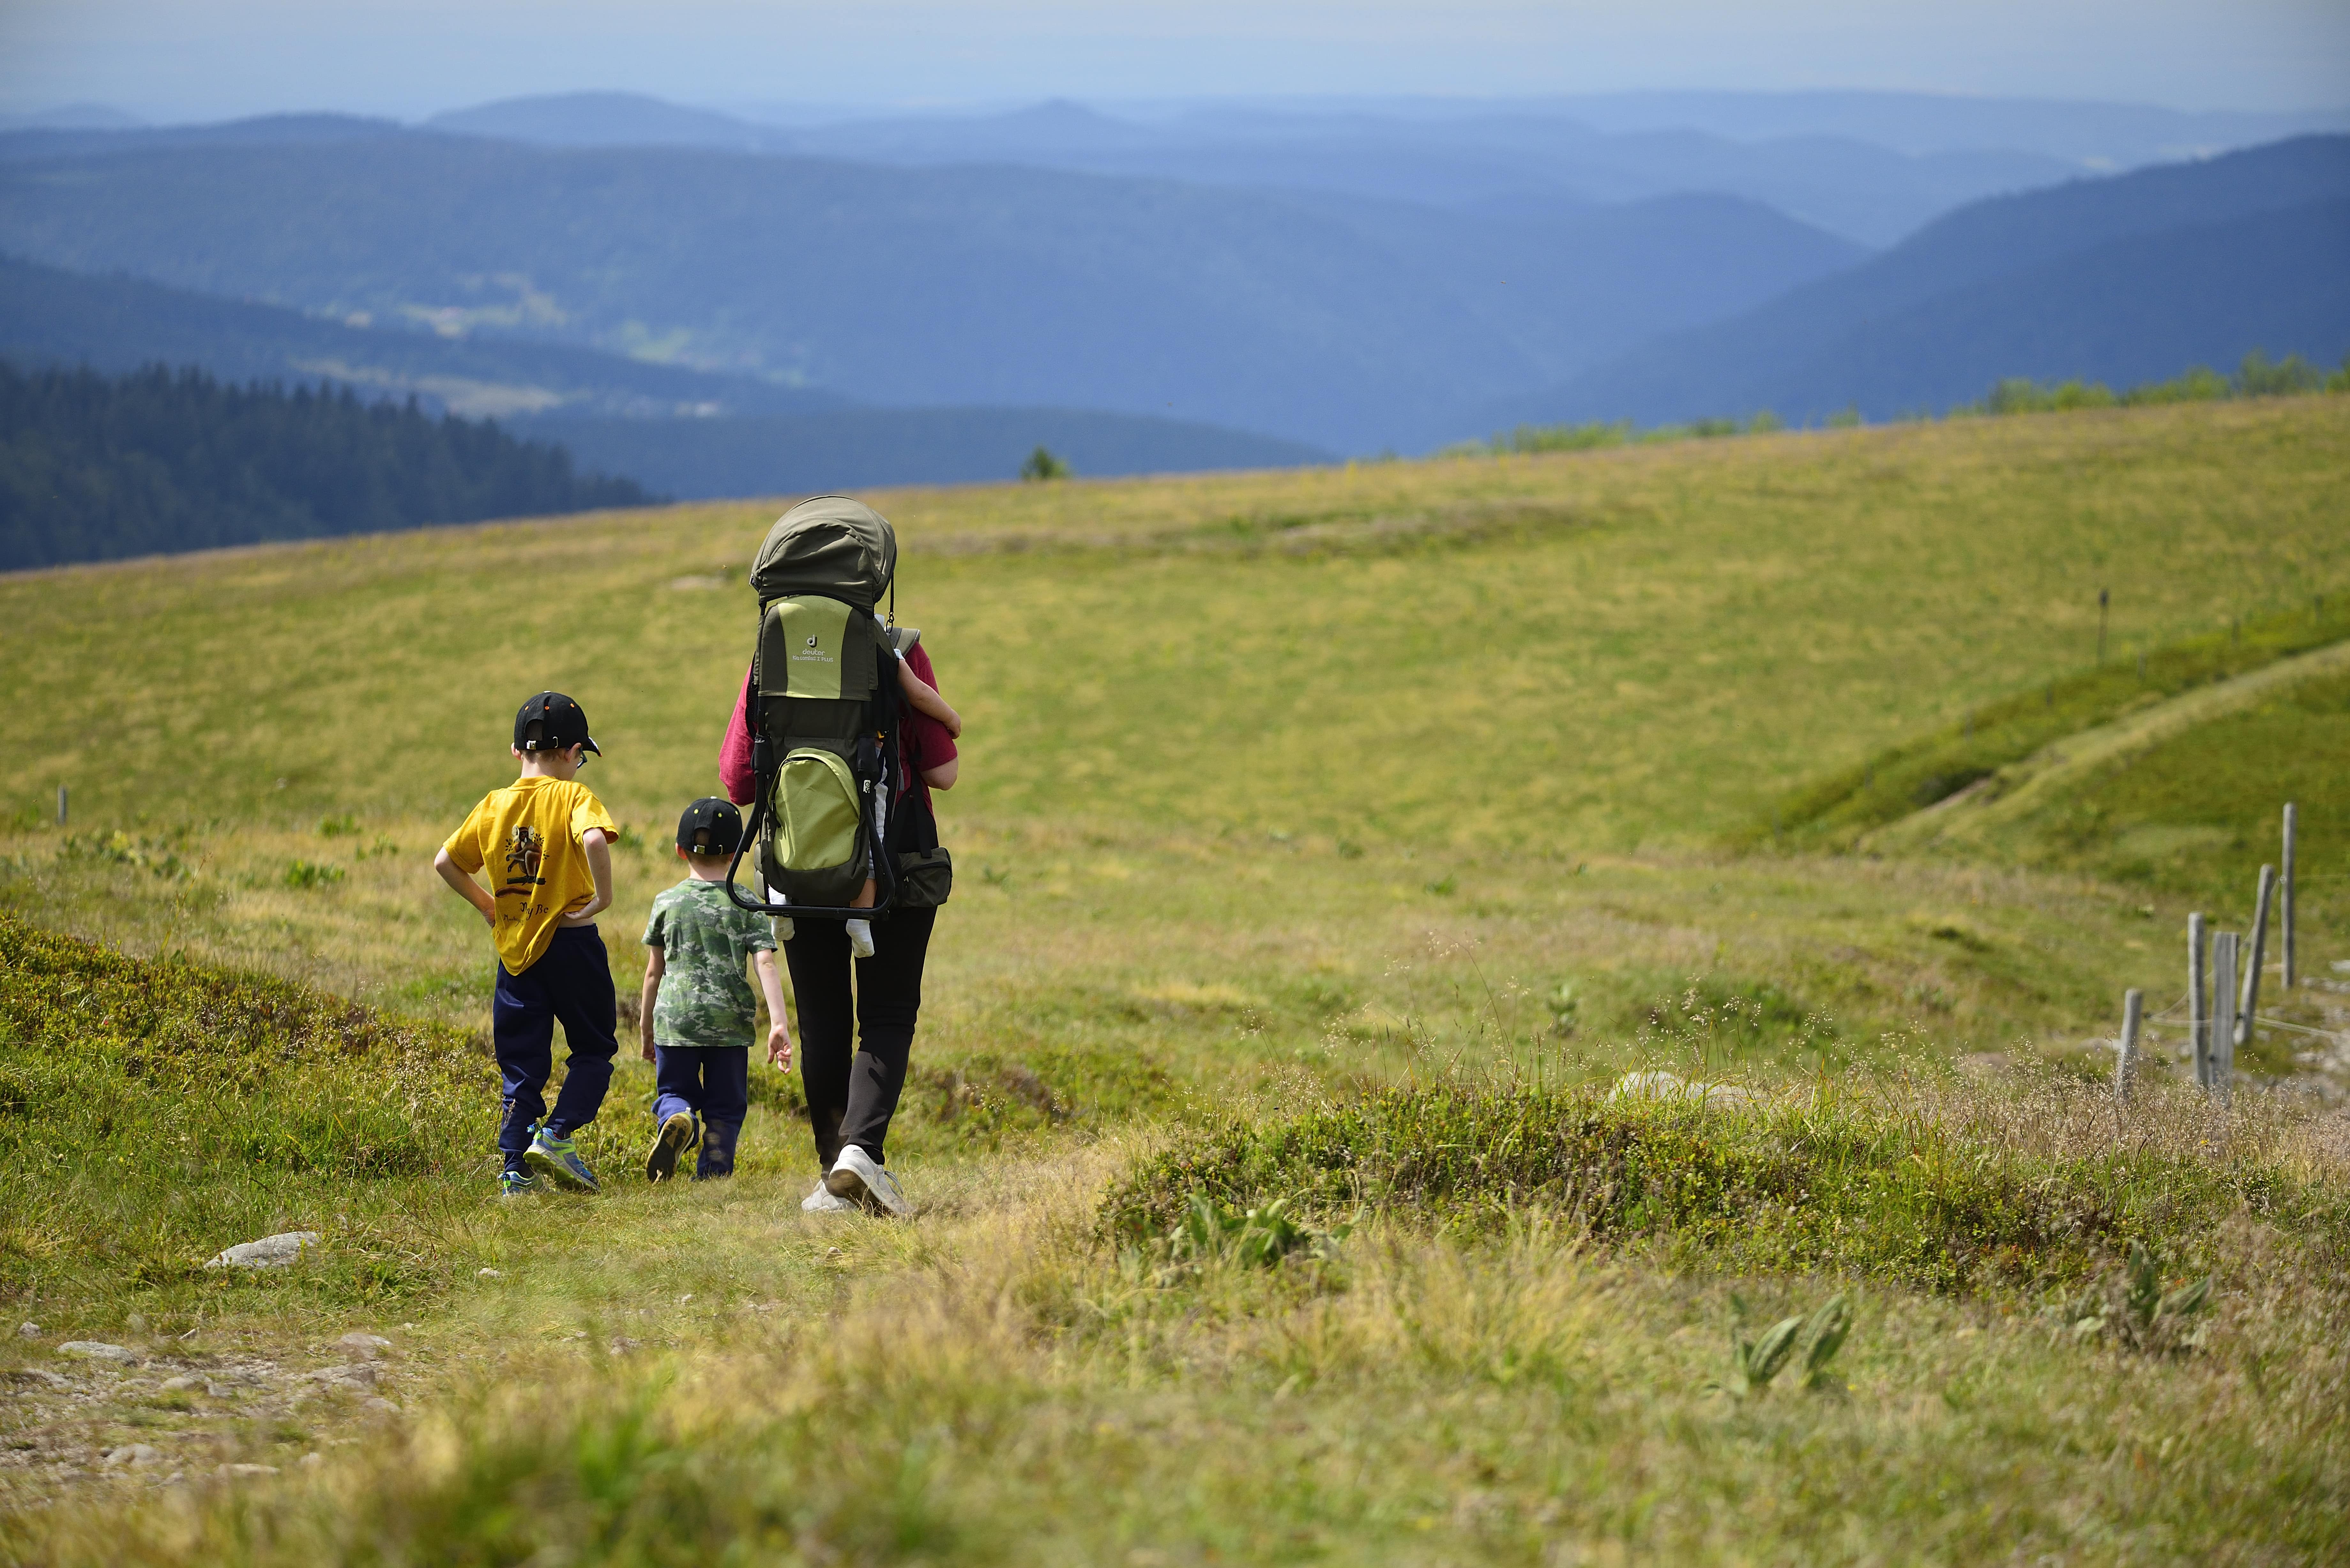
{"type": "Point", "coordinates": [572, 983]}
{"type": "Point", "coordinates": [713, 1083]}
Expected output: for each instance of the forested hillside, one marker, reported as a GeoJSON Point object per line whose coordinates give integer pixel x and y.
{"type": "Point", "coordinates": [94, 467]}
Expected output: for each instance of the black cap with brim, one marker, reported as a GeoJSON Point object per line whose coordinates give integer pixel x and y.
{"type": "Point", "coordinates": [562, 724]}
{"type": "Point", "coordinates": [710, 826]}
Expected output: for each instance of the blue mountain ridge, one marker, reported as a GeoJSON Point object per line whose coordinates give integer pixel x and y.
{"type": "Point", "coordinates": [2120, 279]}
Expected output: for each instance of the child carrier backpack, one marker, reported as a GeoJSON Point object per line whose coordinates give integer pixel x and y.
{"type": "Point", "coordinates": [822, 705]}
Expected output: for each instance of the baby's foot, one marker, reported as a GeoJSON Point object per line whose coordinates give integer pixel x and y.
{"type": "Point", "coordinates": [860, 938]}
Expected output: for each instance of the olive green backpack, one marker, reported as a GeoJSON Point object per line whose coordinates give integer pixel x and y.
{"type": "Point", "coordinates": [822, 704]}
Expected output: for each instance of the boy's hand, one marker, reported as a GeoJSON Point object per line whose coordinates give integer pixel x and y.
{"type": "Point", "coordinates": [779, 1047]}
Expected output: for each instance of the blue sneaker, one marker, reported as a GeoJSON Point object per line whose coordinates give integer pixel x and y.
{"type": "Point", "coordinates": [678, 1135]}
{"type": "Point", "coordinates": [558, 1159]}
{"type": "Point", "coordinates": [517, 1184]}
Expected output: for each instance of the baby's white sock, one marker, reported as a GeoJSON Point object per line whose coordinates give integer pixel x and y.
{"type": "Point", "coordinates": [860, 938]}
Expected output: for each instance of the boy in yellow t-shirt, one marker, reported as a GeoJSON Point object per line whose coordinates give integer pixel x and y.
{"type": "Point", "coordinates": [547, 841]}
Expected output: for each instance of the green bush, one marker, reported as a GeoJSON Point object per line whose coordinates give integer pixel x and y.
{"type": "Point", "coordinates": [1778, 1187]}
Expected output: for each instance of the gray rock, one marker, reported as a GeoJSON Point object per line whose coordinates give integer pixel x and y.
{"type": "Point", "coordinates": [248, 1469]}
{"type": "Point", "coordinates": [269, 1252]}
{"type": "Point", "coordinates": [174, 1385]}
{"type": "Point", "coordinates": [382, 1407]}
{"type": "Point", "coordinates": [39, 1375]}
{"type": "Point", "coordinates": [358, 1374]}
{"type": "Point", "coordinates": [131, 1454]}
{"type": "Point", "coordinates": [486, 1274]}
{"type": "Point", "coordinates": [219, 1391]}
{"type": "Point", "coordinates": [1659, 1085]}
{"type": "Point", "coordinates": [364, 1346]}
{"type": "Point", "coordinates": [28, 1330]}
{"type": "Point", "coordinates": [97, 1350]}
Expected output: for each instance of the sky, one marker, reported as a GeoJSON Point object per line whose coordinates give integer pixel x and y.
{"type": "Point", "coordinates": [171, 61]}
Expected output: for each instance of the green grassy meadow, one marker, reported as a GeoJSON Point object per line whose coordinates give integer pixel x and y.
{"type": "Point", "coordinates": [1328, 842]}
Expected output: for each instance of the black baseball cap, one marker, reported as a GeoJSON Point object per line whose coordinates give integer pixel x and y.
{"type": "Point", "coordinates": [562, 723]}
{"type": "Point", "coordinates": [710, 826]}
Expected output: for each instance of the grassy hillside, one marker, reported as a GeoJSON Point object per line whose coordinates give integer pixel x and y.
{"type": "Point", "coordinates": [1330, 840]}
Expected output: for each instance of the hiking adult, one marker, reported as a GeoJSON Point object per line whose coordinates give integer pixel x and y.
{"type": "Point", "coordinates": [827, 562]}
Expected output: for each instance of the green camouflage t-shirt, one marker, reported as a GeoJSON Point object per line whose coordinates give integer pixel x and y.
{"type": "Point", "coordinates": [705, 938]}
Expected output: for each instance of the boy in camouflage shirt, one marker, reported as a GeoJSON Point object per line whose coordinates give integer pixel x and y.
{"type": "Point", "coordinates": [698, 1014]}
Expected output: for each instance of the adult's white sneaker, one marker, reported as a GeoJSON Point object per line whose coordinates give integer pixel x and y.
{"type": "Point", "coordinates": [855, 1176]}
{"type": "Point", "coordinates": [822, 1200]}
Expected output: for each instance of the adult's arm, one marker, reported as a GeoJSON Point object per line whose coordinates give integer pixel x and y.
{"type": "Point", "coordinates": [734, 769]}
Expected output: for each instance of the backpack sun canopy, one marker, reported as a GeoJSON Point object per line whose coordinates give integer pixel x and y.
{"type": "Point", "coordinates": [832, 547]}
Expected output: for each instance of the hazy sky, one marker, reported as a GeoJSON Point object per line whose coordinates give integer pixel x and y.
{"type": "Point", "coordinates": [171, 59]}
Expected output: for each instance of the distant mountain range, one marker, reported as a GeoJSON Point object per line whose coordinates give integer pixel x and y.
{"type": "Point", "coordinates": [594, 263]}
{"type": "Point", "coordinates": [49, 315]}
{"type": "Point", "coordinates": [1332, 321]}
{"type": "Point", "coordinates": [2127, 279]}
{"type": "Point", "coordinates": [1873, 166]}
{"type": "Point", "coordinates": [1515, 157]}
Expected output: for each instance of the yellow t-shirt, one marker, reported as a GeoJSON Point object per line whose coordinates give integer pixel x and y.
{"type": "Point", "coordinates": [529, 833]}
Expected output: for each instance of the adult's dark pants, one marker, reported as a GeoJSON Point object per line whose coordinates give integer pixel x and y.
{"type": "Point", "coordinates": [571, 983]}
{"type": "Point", "coordinates": [853, 1048]}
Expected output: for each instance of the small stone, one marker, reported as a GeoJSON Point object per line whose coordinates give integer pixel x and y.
{"type": "Point", "coordinates": [174, 1385]}
{"type": "Point", "coordinates": [358, 1374]}
{"type": "Point", "coordinates": [131, 1454]}
{"type": "Point", "coordinates": [685, 1298]}
{"type": "Point", "coordinates": [364, 1346]}
{"type": "Point", "coordinates": [311, 1461]}
{"type": "Point", "coordinates": [219, 1391]}
{"type": "Point", "coordinates": [381, 1406]}
{"type": "Point", "coordinates": [29, 1331]}
{"type": "Point", "coordinates": [248, 1469]}
{"type": "Point", "coordinates": [39, 1375]}
{"type": "Point", "coordinates": [97, 1350]}
{"type": "Point", "coordinates": [487, 1274]}
{"type": "Point", "coordinates": [269, 1252]}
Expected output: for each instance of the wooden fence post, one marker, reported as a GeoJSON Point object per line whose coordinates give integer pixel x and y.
{"type": "Point", "coordinates": [61, 805]}
{"type": "Point", "coordinates": [2198, 1001]}
{"type": "Point", "coordinates": [2126, 1060]}
{"type": "Point", "coordinates": [2223, 1013]}
{"type": "Point", "coordinates": [2285, 906]}
{"type": "Point", "coordinates": [2252, 999]}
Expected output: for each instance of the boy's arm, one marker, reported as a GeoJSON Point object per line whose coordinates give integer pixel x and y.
{"type": "Point", "coordinates": [779, 1038]}
{"type": "Point", "coordinates": [599, 847]}
{"type": "Point", "coordinates": [926, 698]}
{"type": "Point", "coordinates": [656, 966]}
{"type": "Point", "coordinates": [461, 882]}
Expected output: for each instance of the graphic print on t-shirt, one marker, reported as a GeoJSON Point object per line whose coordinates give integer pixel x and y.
{"type": "Point", "coordinates": [529, 851]}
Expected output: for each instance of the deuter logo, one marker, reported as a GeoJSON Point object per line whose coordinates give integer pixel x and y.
{"type": "Point", "coordinates": [812, 654]}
